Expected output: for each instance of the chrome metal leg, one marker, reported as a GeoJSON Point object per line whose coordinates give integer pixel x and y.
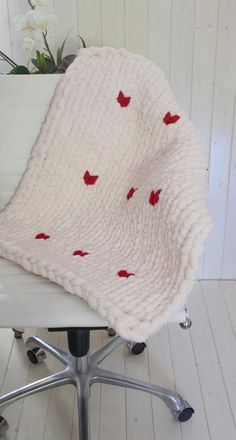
{"type": "Point", "coordinates": [54, 351]}
{"type": "Point", "coordinates": [173, 400]}
{"type": "Point", "coordinates": [101, 354]}
{"type": "Point", "coordinates": [52, 381]}
{"type": "Point", "coordinates": [83, 410]}
{"type": "Point", "coordinates": [82, 372]}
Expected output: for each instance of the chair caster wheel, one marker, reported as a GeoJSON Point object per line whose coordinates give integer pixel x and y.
{"type": "Point", "coordinates": [186, 324]}
{"type": "Point", "coordinates": [111, 331]}
{"type": "Point", "coordinates": [185, 414]}
{"type": "Point", "coordinates": [136, 347]}
{"type": "Point", "coordinates": [17, 333]}
{"type": "Point", "coordinates": [3, 426]}
{"type": "Point", "coordinates": [36, 355]}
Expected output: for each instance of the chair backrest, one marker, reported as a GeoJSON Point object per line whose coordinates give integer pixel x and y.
{"type": "Point", "coordinates": [23, 105]}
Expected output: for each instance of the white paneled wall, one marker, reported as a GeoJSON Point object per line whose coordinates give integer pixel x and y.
{"type": "Point", "coordinates": [193, 41]}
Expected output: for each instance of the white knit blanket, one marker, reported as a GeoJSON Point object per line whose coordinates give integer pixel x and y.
{"type": "Point", "coordinates": [112, 205]}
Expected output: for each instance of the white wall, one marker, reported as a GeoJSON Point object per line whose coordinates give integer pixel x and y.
{"type": "Point", "coordinates": [194, 42]}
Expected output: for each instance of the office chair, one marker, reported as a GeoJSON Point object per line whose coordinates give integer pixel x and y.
{"type": "Point", "coordinates": [28, 300]}
{"type": "Point", "coordinates": [50, 306]}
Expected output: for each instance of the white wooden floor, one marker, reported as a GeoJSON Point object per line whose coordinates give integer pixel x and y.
{"type": "Point", "coordinates": [200, 364]}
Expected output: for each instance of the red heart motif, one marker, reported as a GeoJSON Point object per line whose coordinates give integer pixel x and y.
{"type": "Point", "coordinates": [42, 236]}
{"type": "Point", "coordinates": [170, 119]}
{"type": "Point", "coordinates": [89, 179]}
{"type": "Point", "coordinates": [154, 197]}
{"type": "Point", "coordinates": [124, 274]}
{"type": "Point", "coordinates": [131, 193]}
{"type": "Point", "coordinates": [123, 100]}
{"type": "Point", "coordinates": [80, 253]}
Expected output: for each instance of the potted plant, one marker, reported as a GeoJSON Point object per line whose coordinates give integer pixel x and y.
{"type": "Point", "coordinates": [34, 26]}
{"type": "Point", "coordinates": [26, 91]}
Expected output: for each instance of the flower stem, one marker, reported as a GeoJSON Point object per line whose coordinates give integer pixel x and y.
{"type": "Point", "coordinates": [8, 60]}
{"type": "Point", "coordinates": [31, 4]}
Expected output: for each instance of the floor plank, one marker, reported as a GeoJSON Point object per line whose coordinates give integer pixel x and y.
{"type": "Point", "coordinates": [161, 373]}
{"type": "Point", "coordinates": [221, 311]}
{"type": "Point", "coordinates": [138, 405]}
{"type": "Point", "coordinates": [187, 381]}
{"type": "Point", "coordinates": [7, 339]}
{"type": "Point", "coordinates": [35, 408]}
{"type": "Point", "coordinates": [213, 388]}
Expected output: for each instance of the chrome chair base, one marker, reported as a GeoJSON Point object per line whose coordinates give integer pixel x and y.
{"type": "Point", "coordinates": [83, 372]}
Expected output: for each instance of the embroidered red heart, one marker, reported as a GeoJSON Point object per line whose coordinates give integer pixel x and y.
{"type": "Point", "coordinates": [89, 179]}
{"type": "Point", "coordinates": [170, 119]}
{"type": "Point", "coordinates": [80, 253]}
{"type": "Point", "coordinates": [131, 193]}
{"type": "Point", "coordinates": [123, 100]}
{"type": "Point", "coordinates": [154, 197]}
{"type": "Point", "coordinates": [124, 274]}
{"type": "Point", "coordinates": [42, 236]}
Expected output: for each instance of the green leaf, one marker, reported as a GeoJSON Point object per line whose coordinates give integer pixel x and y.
{"type": "Point", "coordinates": [69, 59]}
{"type": "Point", "coordinates": [41, 62]}
{"type": "Point", "coordinates": [50, 55]}
{"type": "Point", "coordinates": [65, 62]}
{"type": "Point", "coordinates": [34, 62]}
{"type": "Point", "coordinates": [82, 40]}
{"type": "Point", "coordinates": [47, 58]}
{"type": "Point", "coordinates": [19, 70]}
{"type": "Point", "coordinates": [60, 51]}
{"type": "Point", "coordinates": [49, 66]}
{"type": "Point", "coordinates": [7, 59]}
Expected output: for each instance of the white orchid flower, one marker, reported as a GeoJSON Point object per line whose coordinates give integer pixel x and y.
{"type": "Point", "coordinates": [26, 23]}
{"type": "Point", "coordinates": [40, 3]}
{"type": "Point", "coordinates": [31, 45]}
{"type": "Point", "coordinates": [44, 21]}
{"type": "Point", "coordinates": [32, 21]}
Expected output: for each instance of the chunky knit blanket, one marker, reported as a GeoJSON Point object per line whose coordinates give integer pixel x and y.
{"type": "Point", "coordinates": [112, 205]}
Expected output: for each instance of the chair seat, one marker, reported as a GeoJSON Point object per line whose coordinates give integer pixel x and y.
{"type": "Point", "coordinates": [29, 300]}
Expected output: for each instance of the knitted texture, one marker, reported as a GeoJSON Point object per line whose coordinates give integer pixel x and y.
{"type": "Point", "coordinates": [112, 205]}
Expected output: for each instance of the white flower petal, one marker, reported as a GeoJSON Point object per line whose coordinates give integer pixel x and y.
{"type": "Point", "coordinates": [31, 45]}
{"type": "Point", "coordinates": [45, 21]}
{"type": "Point", "coordinates": [31, 18]}
{"type": "Point", "coordinates": [40, 3]}
{"type": "Point", "coordinates": [26, 23]}
{"type": "Point", "coordinates": [20, 21]}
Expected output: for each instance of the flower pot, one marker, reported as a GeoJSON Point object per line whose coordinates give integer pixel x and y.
{"type": "Point", "coordinates": [24, 101]}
